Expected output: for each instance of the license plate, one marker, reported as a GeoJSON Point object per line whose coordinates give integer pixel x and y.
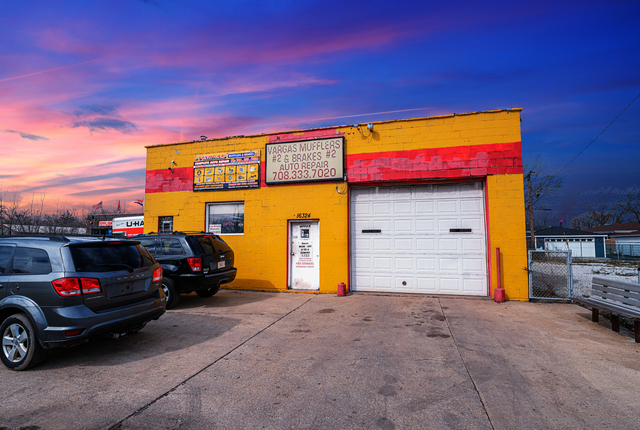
{"type": "Point", "coordinates": [221, 264]}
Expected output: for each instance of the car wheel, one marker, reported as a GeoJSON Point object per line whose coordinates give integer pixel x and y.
{"type": "Point", "coordinates": [20, 347]}
{"type": "Point", "coordinates": [208, 292]}
{"type": "Point", "coordinates": [169, 288]}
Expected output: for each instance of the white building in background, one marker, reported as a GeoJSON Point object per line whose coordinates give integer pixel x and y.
{"type": "Point", "coordinates": [583, 244]}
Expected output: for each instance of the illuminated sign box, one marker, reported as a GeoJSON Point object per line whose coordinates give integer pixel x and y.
{"type": "Point", "coordinates": [305, 161]}
{"type": "Point", "coordinates": [232, 171]}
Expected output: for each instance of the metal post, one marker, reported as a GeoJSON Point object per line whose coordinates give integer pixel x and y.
{"type": "Point", "coordinates": [530, 208]}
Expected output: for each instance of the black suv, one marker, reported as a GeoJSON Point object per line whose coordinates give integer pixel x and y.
{"type": "Point", "coordinates": [62, 290]}
{"type": "Point", "coordinates": [199, 262]}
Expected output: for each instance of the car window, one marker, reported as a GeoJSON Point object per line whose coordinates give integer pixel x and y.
{"type": "Point", "coordinates": [31, 261]}
{"type": "Point", "coordinates": [5, 257]}
{"type": "Point", "coordinates": [205, 243]}
{"type": "Point", "coordinates": [170, 246]}
{"type": "Point", "coordinates": [97, 258]}
{"type": "Point", "coordinates": [149, 244]}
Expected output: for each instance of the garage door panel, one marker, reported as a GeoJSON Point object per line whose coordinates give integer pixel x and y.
{"type": "Point", "coordinates": [473, 286]}
{"type": "Point", "coordinates": [415, 244]}
{"type": "Point", "coordinates": [363, 282]}
{"type": "Point", "coordinates": [361, 209]}
{"type": "Point", "coordinates": [403, 226]}
{"type": "Point", "coordinates": [425, 226]}
{"type": "Point", "coordinates": [447, 206]}
{"type": "Point", "coordinates": [402, 208]}
{"type": "Point", "coordinates": [381, 282]}
{"type": "Point", "coordinates": [446, 190]}
{"type": "Point", "coordinates": [448, 244]}
{"type": "Point", "coordinates": [380, 244]}
{"type": "Point", "coordinates": [382, 208]}
{"type": "Point", "coordinates": [427, 285]}
{"type": "Point", "coordinates": [472, 245]}
{"type": "Point", "coordinates": [425, 245]}
{"type": "Point", "coordinates": [401, 193]}
{"type": "Point", "coordinates": [426, 264]}
{"type": "Point", "coordinates": [403, 245]}
{"type": "Point", "coordinates": [362, 263]}
{"type": "Point", "coordinates": [363, 224]}
{"type": "Point", "coordinates": [403, 264]}
{"type": "Point", "coordinates": [472, 265]}
{"type": "Point", "coordinates": [475, 224]}
{"type": "Point", "coordinates": [382, 224]}
{"type": "Point", "coordinates": [404, 284]}
{"type": "Point", "coordinates": [362, 245]}
{"type": "Point", "coordinates": [382, 193]}
{"type": "Point", "coordinates": [449, 264]}
{"type": "Point", "coordinates": [425, 207]}
{"type": "Point", "coordinates": [446, 224]}
{"type": "Point", "coordinates": [469, 189]}
{"type": "Point", "coordinates": [449, 285]}
{"type": "Point", "coordinates": [382, 263]}
{"type": "Point", "coordinates": [470, 206]}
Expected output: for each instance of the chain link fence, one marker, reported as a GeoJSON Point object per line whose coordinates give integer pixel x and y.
{"type": "Point", "coordinates": [550, 275]}
{"type": "Point", "coordinates": [623, 251]}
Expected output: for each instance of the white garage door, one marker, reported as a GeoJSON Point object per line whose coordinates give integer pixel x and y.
{"type": "Point", "coordinates": [419, 239]}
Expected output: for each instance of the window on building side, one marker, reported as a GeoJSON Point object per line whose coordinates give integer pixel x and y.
{"type": "Point", "coordinates": [165, 224]}
{"type": "Point", "coordinates": [225, 218]}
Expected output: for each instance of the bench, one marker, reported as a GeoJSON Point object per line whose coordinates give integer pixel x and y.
{"type": "Point", "coordinates": [619, 299]}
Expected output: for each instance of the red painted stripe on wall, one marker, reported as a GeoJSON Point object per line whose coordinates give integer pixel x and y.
{"type": "Point", "coordinates": [169, 180]}
{"type": "Point", "coordinates": [435, 163]}
{"type": "Point", "coordinates": [431, 163]}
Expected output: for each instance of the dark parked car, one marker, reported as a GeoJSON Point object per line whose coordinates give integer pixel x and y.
{"type": "Point", "coordinates": [199, 262]}
{"type": "Point", "coordinates": [60, 291]}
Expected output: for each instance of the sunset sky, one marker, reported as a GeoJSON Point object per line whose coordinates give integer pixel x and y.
{"type": "Point", "coordinates": [84, 86]}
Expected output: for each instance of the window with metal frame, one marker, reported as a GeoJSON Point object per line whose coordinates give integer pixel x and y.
{"type": "Point", "coordinates": [225, 218]}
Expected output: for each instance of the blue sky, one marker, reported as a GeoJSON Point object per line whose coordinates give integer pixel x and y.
{"type": "Point", "coordinates": [84, 86]}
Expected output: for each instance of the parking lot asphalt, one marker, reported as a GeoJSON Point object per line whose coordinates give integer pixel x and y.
{"type": "Point", "coordinates": [244, 359]}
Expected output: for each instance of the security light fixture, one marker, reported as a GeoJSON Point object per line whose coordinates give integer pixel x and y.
{"type": "Point", "coordinates": [370, 127]}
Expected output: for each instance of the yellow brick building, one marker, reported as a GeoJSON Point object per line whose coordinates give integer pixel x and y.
{"type": "Point", "coordinates": [409, 206]}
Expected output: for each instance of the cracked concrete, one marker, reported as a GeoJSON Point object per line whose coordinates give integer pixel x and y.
{"type": "Point", "coordinates": [244, 359]}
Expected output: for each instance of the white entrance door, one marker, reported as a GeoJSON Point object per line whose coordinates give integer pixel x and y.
{"type": "Point", "coordinates": [419, 239]}
{"type": "Point", "coordinates": [304, 255]}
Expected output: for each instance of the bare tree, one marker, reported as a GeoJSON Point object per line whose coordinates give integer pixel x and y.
{"type": "Point", "coordinates": [629, 205]}
{"type": "Point", "coordinates": [544, 183]}
{"type": "Point", "coordinates": [539, 187]}
{"type": "Point", "coordinates": [607, 206]}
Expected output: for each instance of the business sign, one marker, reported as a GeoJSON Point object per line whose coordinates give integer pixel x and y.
{"type": "Point", "coordinates": [234, 171]}
{"type": "Point", "coordinates": [305, 161]}
{"type": "Point", "coordinates": [105, 223]}
{"type": "Point", "coordinates": [128, 226]}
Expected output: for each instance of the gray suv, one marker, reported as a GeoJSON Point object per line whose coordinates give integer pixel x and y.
{"type": "Point", "coordinates": [60, 291]}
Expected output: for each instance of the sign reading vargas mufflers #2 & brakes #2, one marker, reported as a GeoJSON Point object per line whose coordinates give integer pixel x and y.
{"type": "Point", "coordinates": [305, 161]}
{"type": "Point", "coordinates": [226, 171]}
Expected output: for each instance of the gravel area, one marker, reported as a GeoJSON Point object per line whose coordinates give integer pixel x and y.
{"type": "Point", "coordinates": [583, 272]}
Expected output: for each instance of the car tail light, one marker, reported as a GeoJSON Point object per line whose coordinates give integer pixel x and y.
{"type": "Point", "coordinates": [90, 286]}
{"type": "Point", "coordinates": [195, 264]}
{"type": "Point", "coordinates": [73, 332]}
{"type": "Point", "coordinates": [157, 274]}
{"type": "Point", "coordinates": [67, 287]}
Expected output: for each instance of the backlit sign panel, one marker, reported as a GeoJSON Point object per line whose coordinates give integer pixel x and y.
{"type": "Point", "coordinates": [305, 161]}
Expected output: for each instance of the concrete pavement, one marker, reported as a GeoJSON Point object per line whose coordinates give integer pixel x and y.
{"type": "Point", "coordinates": [246, 359]}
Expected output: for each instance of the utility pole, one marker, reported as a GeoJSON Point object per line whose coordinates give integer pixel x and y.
{"type": "Point", "coordinates": [530, 209]}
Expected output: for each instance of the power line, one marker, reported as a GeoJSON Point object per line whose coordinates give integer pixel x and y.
{"type": "Point", "coordinates": [585, 148]}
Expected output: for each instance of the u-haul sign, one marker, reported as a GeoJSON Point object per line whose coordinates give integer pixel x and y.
{"type": "Point", "coordinates": [129, 226]}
